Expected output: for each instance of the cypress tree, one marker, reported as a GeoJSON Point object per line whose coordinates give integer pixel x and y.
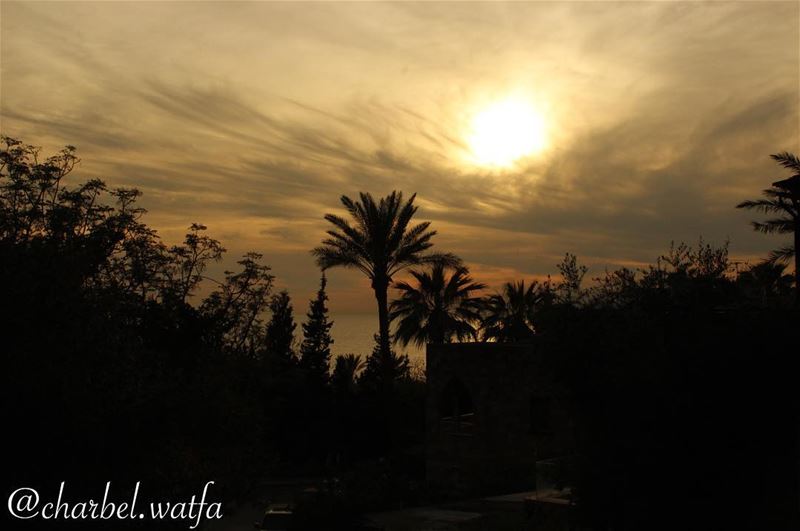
{"type": "Point", "coordinates": [315, 351]}
{"type": "Point", "coordinates": [280, 331]}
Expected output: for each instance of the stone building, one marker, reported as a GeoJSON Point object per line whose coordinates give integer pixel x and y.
{"type": "Point", "coordinates": [491, 415]}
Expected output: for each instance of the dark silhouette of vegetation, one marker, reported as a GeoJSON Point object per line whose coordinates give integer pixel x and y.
{"type": "Point", "coordinates": [236, 307]}
{"type": "Point", "coordinates": [116, 369]}
{"type": "Point", "coordinates": [379, 242]}
{"type": "Point", "coordinates": [378, 369]}
{"type": "Point", "coordinates": [568, 290]}
{"type": "Point", "coordinates": [439, 308]}
{"type": "Point", "coordinates": [669, 384]}
{"type": "Point", "coordinates": [783, 199]}
{"type": "Point", "coordinates": [280, 340]}
{"type": "Point", "coordinates": [110, 371]}
{"type": "Point", "coordinates": [315, 351]}
{"type": "Point", "coordinates": [345, 372]}
{"type": "Point", "coordinates": [676, 378]}
{"type": "Point", "coordinates": [767, 283]}
{"type": "Point", "coordinates": [510, 315]}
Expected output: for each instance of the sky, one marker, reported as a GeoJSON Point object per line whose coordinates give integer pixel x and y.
{"type": "Point", "coordinates": [654, 120]}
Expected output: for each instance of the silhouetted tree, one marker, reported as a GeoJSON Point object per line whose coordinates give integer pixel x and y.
{"type": "Point", "coordinates": [569, 288]}
{"type": "Point", "coordinates": [235, 309]}
{"type": "Point", "coordinates": [279, 340]}
{"type": "Point", "coordinates": [439, 308]}
{"type": "Point", "coordinates": [345, 373]}
{"type": "Point", "coordinates": [686, 276]}
{"type": "Point", "coordinates": [378, 242]}
{"type": "Point", "coordinates": [315, 351]}
{"type": "Point", "coordinates": [189, 261]}
{"type": "Point", "coordinates": [616, 289]}
{"type": "Point", "coordinates": [98, 336]}
{"type": "Point", "coordinates": [377, 370]}
{"type": "Point", "coordinates": [510, 314]}
{"type": "Point", "coordinates": [783, 199]}
{"type": "Point", "coordinates": [767, 282]}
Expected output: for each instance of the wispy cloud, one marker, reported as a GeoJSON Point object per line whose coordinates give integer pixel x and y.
{"type": "Point", "coordinates": [254, 118]}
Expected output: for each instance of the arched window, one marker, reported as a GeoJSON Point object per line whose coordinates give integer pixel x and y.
{"type": "Point", "coordinates": [457, 412]}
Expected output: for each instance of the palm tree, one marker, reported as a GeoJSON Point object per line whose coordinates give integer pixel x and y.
{"type": "Point", "coordinates": [510, 313]}
{"type": "Point", "coordinates": [345, 372]}
{"type": "Point", "coordinates": [437, 309]}
{"type": "Point", "coordinates": [783, 199]}
{"type": "Point", "coordinates": [379, 242]}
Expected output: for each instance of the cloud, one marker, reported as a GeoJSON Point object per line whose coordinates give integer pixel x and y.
{"type": "Point", "coordinates": [255, 118]}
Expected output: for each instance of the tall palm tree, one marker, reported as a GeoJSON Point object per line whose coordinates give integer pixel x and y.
{"type": "Point", "coordinates": [783, 199]}
{"type": "Point", "coordinates": [438, 308]}
{"type": "Point", "coordinates": [379, 242]}
{"type": "Point", "coordinates": [510, 313]}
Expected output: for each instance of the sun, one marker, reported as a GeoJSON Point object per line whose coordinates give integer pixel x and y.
{"type": "Point", "coordinates": [505, 132]}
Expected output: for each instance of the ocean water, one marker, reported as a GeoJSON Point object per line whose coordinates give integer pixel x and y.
{"type": "Point", "coordinates": [353, 333]}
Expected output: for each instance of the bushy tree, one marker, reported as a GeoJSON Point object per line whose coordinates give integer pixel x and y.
{"type": "Point", "coordinates": [569, 287]}
{"type": "Point", "coordinates": [377, 368]}
{"type": "Point", "coordinates": [235, 309]}
{"type": "Point", "coordinates": [188, 262]}
{"type": "Point", "coordinates": [100, 336]}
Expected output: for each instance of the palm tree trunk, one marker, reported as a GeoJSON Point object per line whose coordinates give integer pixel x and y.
{"type": "Point", "coordinates": [796, 264]}
{"type": "Point", "coordinates": [381, 288]}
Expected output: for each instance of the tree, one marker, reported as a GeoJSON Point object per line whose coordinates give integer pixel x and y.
{"type": "Point", "coordinates": [380, 243]}
{"type": "Point", "coordinates": [510, 313]}
{"type": "Point", "coordinates": [95, 319]}
{"type": "Point", "coordinates": [438, 309]}
{"type": "Point", "coordinates": [315, 351]}
{"type": "Point", "coordinates": [345, 372]}
{"type": "Point", "coordinates": [380, 371]}
{"type": "Point", "coordinates": [280, 331]}
{"type": "Point", "coordinates": [569, 288]}
{"type": "Point", "coordinates": [189, 261]}
{"type": "Point", "coordinates": [766, 282]}
{"type": "Point", "coordinates": [235, 309]}
{"type": "Point", "coordinates": [783, 199]}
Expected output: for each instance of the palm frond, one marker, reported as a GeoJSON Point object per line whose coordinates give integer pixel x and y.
{"type": "Point", "coordinates": [787, 160]}
{"type": "Point", "coordinates": [782, 255]}
{"type": "Point", "coordinates": [775, 225]}
{"type": "Point", "coordinates": [440, 306]}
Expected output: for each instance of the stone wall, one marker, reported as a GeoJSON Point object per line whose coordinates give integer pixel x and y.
{"type": "Point", "coordinates": [482, 432]}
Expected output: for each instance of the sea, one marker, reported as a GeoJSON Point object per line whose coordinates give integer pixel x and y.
{"type": "Point", "coordinates": [353, 333]}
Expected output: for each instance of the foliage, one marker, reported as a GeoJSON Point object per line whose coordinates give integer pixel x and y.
{"type": "Point", "coordinates": [379, 242]}
{"type": "Point", "coordinates": [105, 333]}
{"type": "Point", "coordinates": [569, 288]}
{"type": "Point", "coordinates": [235, 309]}
{"type": "Point", "coordinates": [315, 351]}
{"type": "Point", "coordinates": [511, 314]}
{"type": "Point", "coordinates": [279, 346]}
{"type": "Point", "coordinates": [438, 309]}
{"type": "Point", "coordinates": [99, 338]}
{"type": "Point", "coordinates": [379, 368]}
{"type": "Point", "coordinates": [783, 201]}
{"type": "Point", "coordinates": [345, 373]}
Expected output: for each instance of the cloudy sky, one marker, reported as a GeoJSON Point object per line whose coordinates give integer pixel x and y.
{"type": "Point", "coordinates": [653, 119]}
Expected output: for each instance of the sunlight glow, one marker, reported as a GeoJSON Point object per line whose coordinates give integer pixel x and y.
{"type": "Point", "coordinates": [505, 132]}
